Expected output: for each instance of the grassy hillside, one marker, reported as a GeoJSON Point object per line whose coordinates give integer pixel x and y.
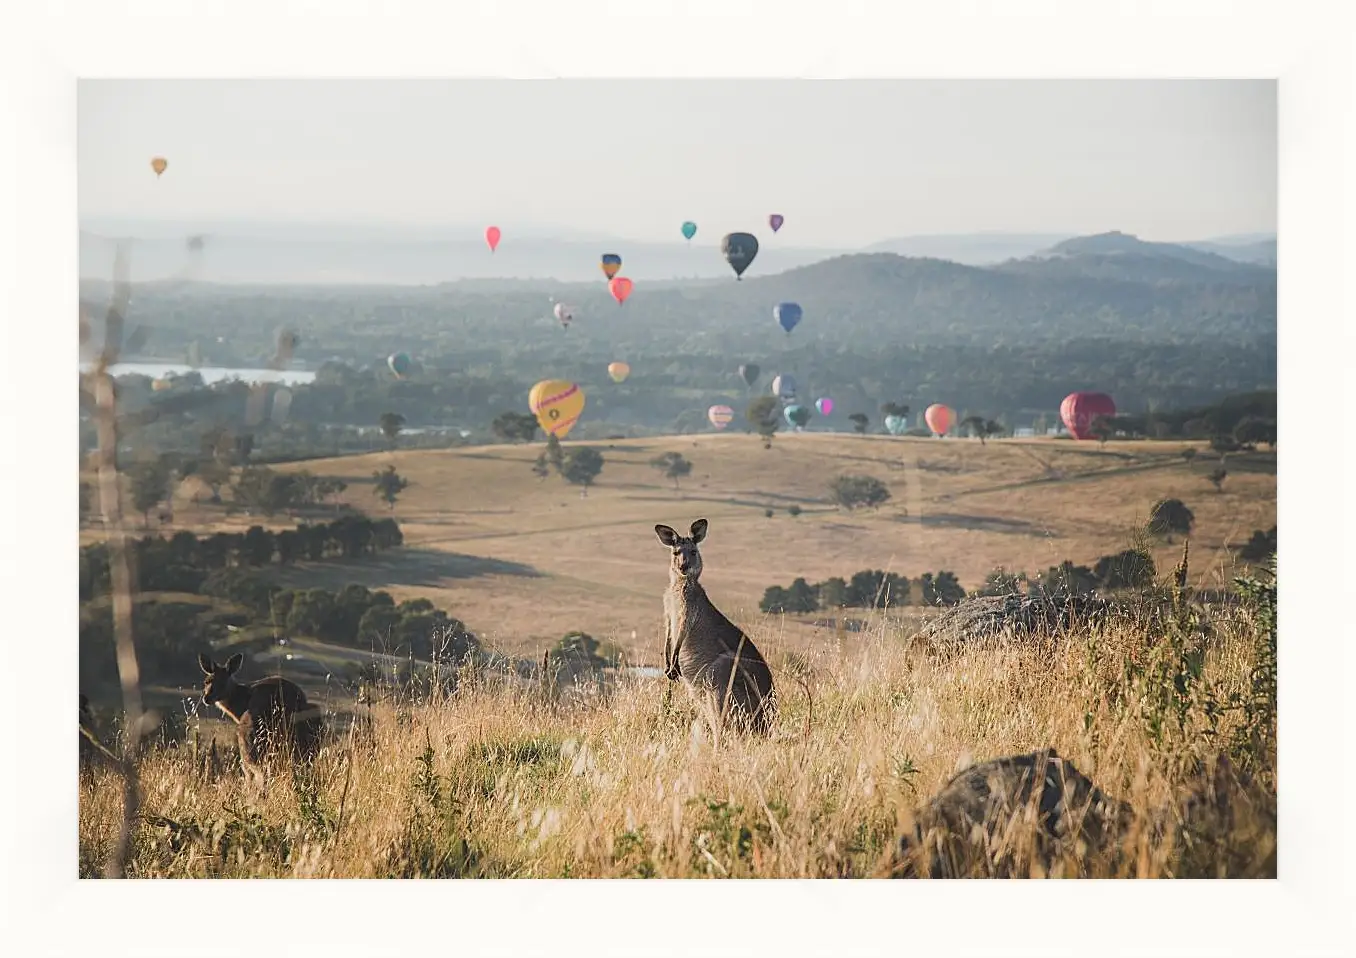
{"type": "Point", "coordinates": [501, 781]}
{"type": "Point", "coordinates": [523, 560]}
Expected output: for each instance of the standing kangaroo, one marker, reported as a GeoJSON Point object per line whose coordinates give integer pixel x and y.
{"type": "Point", "coordinates": [717, 661]}
{"type": "Point", "coordinates": [266, 713]}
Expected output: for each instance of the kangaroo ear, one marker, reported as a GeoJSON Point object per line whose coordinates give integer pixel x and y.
{"type": "Point", "coordinates": [234, 662]}
{"type": "Point", "coordinates": [699, 530]}
{"type": "Point", "coordinates": [666, 535]}
{"type": "Point", "coordinates": [205, 664]}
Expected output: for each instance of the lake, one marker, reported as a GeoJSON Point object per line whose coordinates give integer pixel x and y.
{"type": "Point", "coordinates": [210, 374]}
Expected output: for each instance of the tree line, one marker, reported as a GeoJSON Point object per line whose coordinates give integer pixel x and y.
{"type": "Point", "coordinates": [183, 562]}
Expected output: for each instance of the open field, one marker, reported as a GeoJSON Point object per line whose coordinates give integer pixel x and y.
{"type": "Point", "coordinates": [523, 560]}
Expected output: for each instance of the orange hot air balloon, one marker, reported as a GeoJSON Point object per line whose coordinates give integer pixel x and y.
{"type": "Point", "coordinates": [621, 288]}
{"type": "Point", "coordinates": [492, 237]}
{"type": "Point", "coordinates": [939, 418]}
{"type": "Point", "coordinates": [618, 371]}
{"type": "Point", "coordinates": [159, 164]}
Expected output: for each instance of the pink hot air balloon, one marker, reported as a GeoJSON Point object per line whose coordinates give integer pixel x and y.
{"type": "Point", "coordinates": [620, 287]}
{"type": "Point", "coordinates": [1080, 410]}
{"type": "Point", "coordinates": [775, 221]}
{"type": "Point", "coordinates": [939, 418]}
{"type": "Point", "coordinates": [720, 416]}
{"type": "Point", "coordinates": [824, 404]}
{"type": "Point", "coordinates": [492, 237]}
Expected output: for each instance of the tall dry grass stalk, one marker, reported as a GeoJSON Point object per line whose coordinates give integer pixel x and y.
{"type": "Point", "coordinates": [500, 779]}
{"type": "Point", "coordinates": [120, 561]}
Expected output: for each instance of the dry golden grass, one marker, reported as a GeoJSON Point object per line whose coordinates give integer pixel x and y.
{"type": "Point", "coordinates": [511, 781]}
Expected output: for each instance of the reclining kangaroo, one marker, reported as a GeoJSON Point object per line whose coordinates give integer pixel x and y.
{"type": "Point", "coordinates": [716, 660]}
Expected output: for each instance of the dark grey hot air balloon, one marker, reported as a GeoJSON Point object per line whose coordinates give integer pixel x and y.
{"type": "Point", "coordinates": [740, 250]}
{"type": "Point", "coordinates": [749, 372]}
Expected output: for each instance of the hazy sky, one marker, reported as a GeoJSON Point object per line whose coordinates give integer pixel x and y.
{"type": "Point", "coordinates": [847, 162]}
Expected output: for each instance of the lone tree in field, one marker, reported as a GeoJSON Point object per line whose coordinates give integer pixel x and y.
{"type": "Point", "coordinates": [1169, 516]}
{"type": "Point", "coordinates": [391, 424]}
{"type": "Point", "coordinates": [541, 468]}
{"type": "Point", "coordinates": [762, 414]}
{"type": "Point", "coordinates": [1217, 478]}
{"type": "Point", "coordinates": [387, 485]}
{"type": "Point", "coordinates": [859, 422]}
{"type": "Point", "coordinates": [858, 492]}
{"type": "Point", "coordinates": [515, 427]}
{"type": "Point", "coordinates": [581, 467]}
{"type": "Point", "coordinates": [672, 465]}
{"type": "Point", "coordinates": [981, 428]}
{"type": "Point", "coordinates": [150, 487]}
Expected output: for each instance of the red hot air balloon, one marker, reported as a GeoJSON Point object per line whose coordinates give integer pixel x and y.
{"type": "Point", "coordinates": [492, 237]}
{"type": "Point", "coordinates": [1080, 410]}
{"type": "Point", "coordinates": [620, 288]}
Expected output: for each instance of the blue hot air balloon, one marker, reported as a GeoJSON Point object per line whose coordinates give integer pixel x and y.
{"type": "Point", "coordinates": [788, 315]}
{"type": "Point", "coordinates": [689, 230]}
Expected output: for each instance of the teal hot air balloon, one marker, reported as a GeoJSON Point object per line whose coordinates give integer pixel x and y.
{"type": "Point", "coordinates": [689, 230]}
{"type": "Point", "coordinates": [400, 364]}
{"type": "Point", "coordinates": [797, 416]}
{"type": "Point", "coordinates": [739, 250]}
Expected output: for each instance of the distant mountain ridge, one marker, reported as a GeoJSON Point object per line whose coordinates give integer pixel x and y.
{"type": "Point", "coordinates": [269, 254]}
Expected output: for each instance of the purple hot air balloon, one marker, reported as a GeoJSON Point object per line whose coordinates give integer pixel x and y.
{"type": "Point", "coordinates": [775, 221]}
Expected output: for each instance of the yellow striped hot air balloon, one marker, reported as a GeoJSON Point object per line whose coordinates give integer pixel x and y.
{"type": "Point", "coordinates": [557, 405]}
{"type": "Point", "coordinates": [720, 416]}
{"type": "Point", "coordinates": [618, 371]}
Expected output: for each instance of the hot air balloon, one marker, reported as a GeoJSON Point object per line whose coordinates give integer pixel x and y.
{"type": "Point", "coordinates": [620, 287]}
{"type": "Point", "coordinates": [720, 416]}
{"type": "Point", "coordinates": [787, 315]}
{"type": "Point", "coordinates": [159, 164]}
{"type": "Point", "coordinates": [160, 385]}
{"type": "Point", "coordinates": [618, 371]}
{"type": "Point", "coordinates": [400, 364]}
{"type": "Point", "coordinates": [784, 387]}
{"type": "Point", "coordinates": [896, 425]}
{"type": "Point", "coordinates": [775, 221]}
{"type": "Point", "coordinates": [492, 237]}
{"type": "Point", "coordinates": [797, 416]}
{"type": "Point", "coordinates": [739, 250]}
{"type": "Point", "coordinates": [689, 230]}
{"type": "Point", "coordinates": [824, 404]}
{"type": "Point", "coordinates": [1080, 410]}
{"type": "Point", "coordinates": [565, 314]}
{"type": "Point", "coordinates": [611, 263]}
{"type": "Point", "coordinates": [939, 418]}
{"type": "Point", "coordinates": [749, 373]}
{"type": "Point", "coordinates": [557, 405]}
